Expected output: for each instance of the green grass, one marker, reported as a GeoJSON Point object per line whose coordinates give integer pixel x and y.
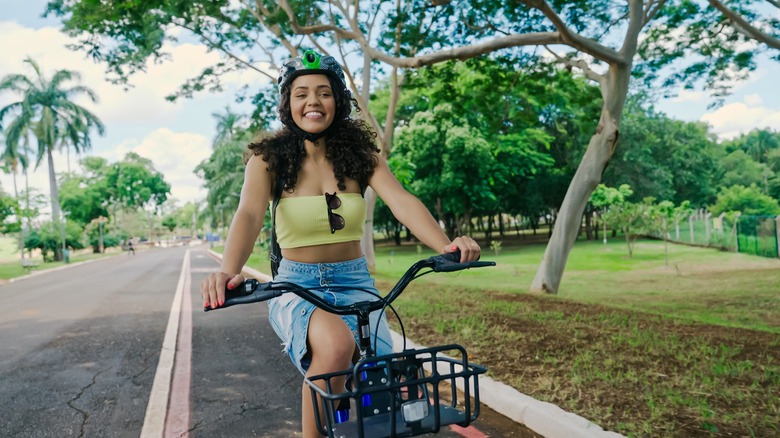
{"type": "Point", "coordinates": [10, 265]}
{"type": "Point", "coordinates": [698, 284]}
{"type": "Point", "coordinates": [8, 249]}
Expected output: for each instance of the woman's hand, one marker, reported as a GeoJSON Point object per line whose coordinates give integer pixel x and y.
{"type": "Point", "coordinates": [469, 248]}
{"type": "Point", "coordinates": [212, 289]}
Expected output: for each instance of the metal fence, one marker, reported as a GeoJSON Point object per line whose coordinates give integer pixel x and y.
{"type": "Point", "coordinates": [756, 235]}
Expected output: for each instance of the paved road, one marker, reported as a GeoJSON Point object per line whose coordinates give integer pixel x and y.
{"type": "Point", "coordinates": [80, 349]}
{"type": "Point", "coordinates": [80, 346]}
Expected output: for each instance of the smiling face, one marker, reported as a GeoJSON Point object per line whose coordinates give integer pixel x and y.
{"type": "Point", "coordinates": [312, 104]}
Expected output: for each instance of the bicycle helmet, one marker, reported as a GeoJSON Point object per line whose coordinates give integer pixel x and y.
{"type": "Point", "coordinates": [310, 62]}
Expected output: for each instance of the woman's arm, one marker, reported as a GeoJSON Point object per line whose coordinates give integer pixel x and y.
{"type": "Point", "coordinates": [243, 232]}
{"type": "Point", "coordinates": [412, 213]}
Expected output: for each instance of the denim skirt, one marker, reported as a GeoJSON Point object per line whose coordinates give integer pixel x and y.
{"type": "Point", "coordinates": [339, 283]}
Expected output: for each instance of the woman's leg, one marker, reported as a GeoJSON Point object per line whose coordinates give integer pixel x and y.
{"type": "Point", "coordinates": [331, 346]}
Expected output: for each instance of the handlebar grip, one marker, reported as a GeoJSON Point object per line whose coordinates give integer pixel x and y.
{"type": "Point", "coordinates": [247, 292]}
{"type": "Point", "coordinates": [450, 262]}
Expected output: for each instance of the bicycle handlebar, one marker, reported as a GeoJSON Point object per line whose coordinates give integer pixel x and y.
{"type": "Point", "coordinates": [253, 291]}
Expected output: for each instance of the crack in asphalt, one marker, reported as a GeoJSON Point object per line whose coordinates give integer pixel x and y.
{"type": "Point", "coordinates": [84, 414]}
{"type": "Point", "coordinates": [192, 429]}
{"type": "Point", "coordinates": [246, 406]}
{"type": "Point", "coordinates": [145, 368]}
{"type": "Point", "coordinates": [290, 381]}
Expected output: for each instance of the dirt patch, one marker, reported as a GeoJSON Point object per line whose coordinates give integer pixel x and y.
{"type": "Point", "coordinates": [631, 372]}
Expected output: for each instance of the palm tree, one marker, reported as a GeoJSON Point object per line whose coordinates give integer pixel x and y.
{"type": "Point", "coordinates": [46, 109]}
{"type": "Point", "coordinates": [759, 142]}
{"type": "Point", "coordinates": [229, 125]}
{"type": "Point", "coordinates": [13, 157]}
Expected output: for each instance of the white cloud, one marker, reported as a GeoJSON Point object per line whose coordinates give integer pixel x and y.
{"type": "Point", "coordinates": [736, 118]}
{"type": "Point", "coordinates": [143, 103]}
{"type": "Point", "coordinates": [175, 155]}
{"type": "Point", "coordinates": [141, 113]}
{"type": "Point", "coordinates": [692, 96]}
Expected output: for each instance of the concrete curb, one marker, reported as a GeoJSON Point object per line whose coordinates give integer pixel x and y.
{"type": "Point", "coordinates": [544, 418]}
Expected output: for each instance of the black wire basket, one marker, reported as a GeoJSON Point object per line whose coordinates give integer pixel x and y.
{"type": "Point", "coordinates": [398, 395]}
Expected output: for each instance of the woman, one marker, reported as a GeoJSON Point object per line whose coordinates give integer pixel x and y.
{"type": "Point", "coordinates": [326, 160]}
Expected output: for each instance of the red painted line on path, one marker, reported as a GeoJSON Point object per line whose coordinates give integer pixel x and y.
{"type": "Point", "coordinates": [177, 422]}
{"type": "Point", "coordinates": [468, 432]}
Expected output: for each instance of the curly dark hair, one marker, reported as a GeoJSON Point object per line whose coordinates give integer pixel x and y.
{"type": "Point", "coordinates": [350, 144]}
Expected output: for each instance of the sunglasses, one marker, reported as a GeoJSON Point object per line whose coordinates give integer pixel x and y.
{"type": "Point", "coordinates": [335, 219]}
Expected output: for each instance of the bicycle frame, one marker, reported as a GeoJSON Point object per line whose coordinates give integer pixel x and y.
{"type": "Point", "coordinates": [394, 395]}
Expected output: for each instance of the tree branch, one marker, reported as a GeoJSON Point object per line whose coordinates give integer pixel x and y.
{"type": "Point", "coordinates": [652, 10]}
{"type": "Point", "coordinates": [588, 46]}
{"type": "Point", "coordinates": [575, 40]}
{"type": "Point", "coordinates": [227, 52]}
{"type": "Point", "coordinates": [580, 64]}
{"type": "Point", "coordinates": [746, 28]}
{"type": "Point", "coordinates": [275, 29]}
{"type": "Point", "coordinates": [635, 24]}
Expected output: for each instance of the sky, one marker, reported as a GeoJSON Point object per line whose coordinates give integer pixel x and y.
{"type": "Point", "coordinates": [177, 136]}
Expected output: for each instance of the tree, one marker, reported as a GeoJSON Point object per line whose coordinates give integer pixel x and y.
{"type": "Point", "coordinates": [664, 158]}
{"type": "Point", "coordinates": [603, 197]}
{"type": "Point", "coordinates": [84, 196]}
{"type": "Point", "coordinates": [607, 41]}
{"type": "Point", "coordinates": [14, 157]}
{"type": "Point", "coordinates": [749, 201]}
{"type": "Point", "coordinates": [47, 110]}
{"type": "Point", "coordinates": [230, 126]}
{"type": "Point", "coordinates": [452, 165]}
{"type": "Point", "coordinates": [169, 222]}
{"type": "Point", "coordinates": [663, 215]}
{"type": "Point", "coordinates": [9, 208]}
{"type": "Point", "coordinates": [632, 218]}
{"type": "Point", "coordinates": [759, 142]}
{"type": "Point", "coordinates": [223, 175]}
{"type": "Point", "coordinates": [134, 183]}
{"type": "Point", "coordinates": [737, 168]}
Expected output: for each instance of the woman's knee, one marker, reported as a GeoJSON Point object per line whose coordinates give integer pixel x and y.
{"type": "Point", "coordinates": [330, 340]}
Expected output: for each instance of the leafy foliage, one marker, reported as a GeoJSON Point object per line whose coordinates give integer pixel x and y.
{"type": "Point", "coordinates": [664, 158]}
{"type": "Point", "coordinates": [746, 200]}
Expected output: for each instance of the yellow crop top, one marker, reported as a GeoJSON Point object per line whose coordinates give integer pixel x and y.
{"type": "Point", "coordinates": [303, 220]}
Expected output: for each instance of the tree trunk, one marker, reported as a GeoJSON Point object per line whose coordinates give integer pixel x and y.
{"type": "Point", "coordinates": [55, 201]}
{"type": "Point", "coordinates": [27, 204]}
{"type": "Point", "coordinates": [385, 143]}
{"type": "Point", "coordinates": [589, 224]}
{"type": "Point", "coordinates": [600, 149]}
{"type": "Point", "coordinates": [21, 225]}
{"type": "Point", "coordinates": [367, 242]}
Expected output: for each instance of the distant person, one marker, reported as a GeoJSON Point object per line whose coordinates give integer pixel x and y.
{"type": "Point", "coordinates": [324, 160]}
{"type": "Point", "coordinates": [130, 249]}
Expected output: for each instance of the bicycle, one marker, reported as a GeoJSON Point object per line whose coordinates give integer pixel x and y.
{"type": "Point", "coordinates": [395, 395]}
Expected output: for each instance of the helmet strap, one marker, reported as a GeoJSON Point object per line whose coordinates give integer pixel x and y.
{"type": "Point", "coordinates": [307, 135]}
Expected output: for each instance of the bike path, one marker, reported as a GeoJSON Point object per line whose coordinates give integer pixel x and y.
{"type": "Point", "coordinates": [242, 384]}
